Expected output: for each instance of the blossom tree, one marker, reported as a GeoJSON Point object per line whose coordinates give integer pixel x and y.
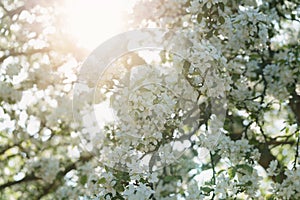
{"type": "Point", "coordinates": [215, 116]}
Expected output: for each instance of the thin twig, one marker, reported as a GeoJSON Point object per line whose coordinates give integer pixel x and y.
{"type": "Point", "coordinates": [297, 151]}
{"type": "Point", "coordinates": [214, 172]}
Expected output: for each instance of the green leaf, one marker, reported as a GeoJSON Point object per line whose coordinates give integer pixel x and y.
{"type": "Point", "coordinates": [221, 20]}
{"type": "Point", "coordinates": [270, 197]}
{"type": "Point", "coordinates": [119, 187]}
{"type": "Point", "coordinates": [245, 167]}
{"type": "Point", "coordinates": [169, 178]}
{"type": "Point", "coordinates": [222, 7]}
{"type": "Point", "coordinates": [204, 7]}
{"type": "Point", "coordinates": [249, 183]}
{"type": "Point", "coordinates": [219, 172]}
{"type": "Point", "coordinates": [117, 198]}
{"type": "Point", "coordinates": [231, 172]}
{"type": "Point", "coordinates": [293, 16]}
{"type": "Point", "coordinates": [186, 65]}
{"type": "Point", "coordinates": [216, 32]}
{"type": "Point", "coordinates": [83, 180]}
{"type": "Point", "coordinates": [199, 18]}
{"type": "Point", "coordinates": [206, 189]}
{"type": "Point", "coordinates": [209, 34]}
{"type": "Point", "coordinates": [102, 180]}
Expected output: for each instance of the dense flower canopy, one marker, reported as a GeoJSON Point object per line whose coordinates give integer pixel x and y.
{"type": "Point", "coordinates": [163, 136]}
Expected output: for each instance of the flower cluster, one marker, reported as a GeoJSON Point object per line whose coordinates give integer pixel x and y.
{"type": "Point", "coordinates": [289, 188]}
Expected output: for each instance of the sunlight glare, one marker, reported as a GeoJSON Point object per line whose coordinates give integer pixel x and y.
{"type": "Point", "coordinates": [92, 22]}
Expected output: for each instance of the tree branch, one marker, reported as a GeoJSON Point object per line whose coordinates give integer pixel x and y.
{"type": "Point", "coordinates": [295, 105]}
{"type": "Point", "coordinates": [266, 155]}
{"type": "Point", "coordinates": [28, 53]}
{"type": "Point", "coordinates": [59, 177]}
{"type": "Point", "coordinates": [30, 177]}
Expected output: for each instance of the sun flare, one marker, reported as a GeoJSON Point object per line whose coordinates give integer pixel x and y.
{"type": "Point", "coordinates": [91, 22]}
